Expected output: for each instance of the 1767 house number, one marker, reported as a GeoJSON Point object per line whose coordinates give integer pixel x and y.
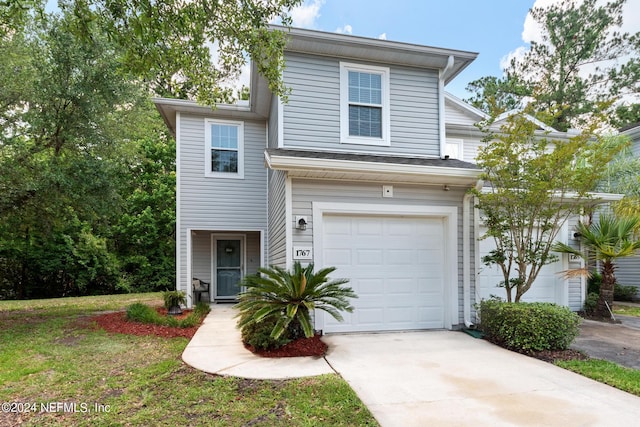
{"type": "Point", "coordinates": [302, 252]}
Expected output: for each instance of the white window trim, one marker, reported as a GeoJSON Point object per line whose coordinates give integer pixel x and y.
{"type": "Point", "coordinates": [459, 143]}
{"type": "Point", "coordinates": [345, 138]}
{"type": "Point", "coordinates": [207, 149]}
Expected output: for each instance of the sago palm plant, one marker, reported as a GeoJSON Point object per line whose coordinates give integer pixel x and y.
{"type": "Point", "coordinates": [291, 296]}
{"type": "Point", "coordinates": [606, 240]}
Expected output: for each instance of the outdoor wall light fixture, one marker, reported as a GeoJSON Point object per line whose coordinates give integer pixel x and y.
{"type": "Point", "coordinates": [301, 222]}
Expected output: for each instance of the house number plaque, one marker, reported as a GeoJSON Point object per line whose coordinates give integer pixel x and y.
{"type": "Point", "coordinates": [302, 252]}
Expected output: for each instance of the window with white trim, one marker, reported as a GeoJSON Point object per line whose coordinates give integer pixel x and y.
{"type": "Point", "coordinates": [224, 149]}
{"type": "Point", "coordinates": [453, 148]}
{"type": "Point", "coordinates": [364, 104]}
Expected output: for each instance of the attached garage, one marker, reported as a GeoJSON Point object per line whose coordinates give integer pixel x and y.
{"type": "Point", "coordinates": [549, 286]}
{"type": "Point", "coordinates": [398, 265]}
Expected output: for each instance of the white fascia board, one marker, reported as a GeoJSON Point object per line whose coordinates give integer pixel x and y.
{"type": "Point", "coordinates": [595, 197]}
{"type": "Point", "coordinates": [336, 165]}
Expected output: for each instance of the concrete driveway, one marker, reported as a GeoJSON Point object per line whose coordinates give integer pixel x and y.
{"type": "Point", "coordinates": [442, 378]}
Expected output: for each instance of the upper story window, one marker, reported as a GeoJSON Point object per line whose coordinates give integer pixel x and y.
{"type": "Point", "coordinates": [364, 104]}
{"type": "Point", "coordinates": [224, 149]}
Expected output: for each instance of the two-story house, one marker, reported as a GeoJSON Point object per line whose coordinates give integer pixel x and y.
{"type": "Point", "coordinates": [366, 168]}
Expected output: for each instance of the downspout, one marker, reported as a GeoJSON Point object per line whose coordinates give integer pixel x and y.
{"type": "Point", "coordinates": [466, 254]}
{"type": "Point", "coordinates": [441, 109]}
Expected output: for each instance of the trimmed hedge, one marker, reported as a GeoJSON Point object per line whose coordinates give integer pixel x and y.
{"type": "Point", "coordinates": [527, 327]}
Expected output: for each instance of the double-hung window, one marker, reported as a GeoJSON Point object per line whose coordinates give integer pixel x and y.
{"type": "Point", "coordinates": [224, 149]}
{"type": "Point", "coordinates": [364, 104]}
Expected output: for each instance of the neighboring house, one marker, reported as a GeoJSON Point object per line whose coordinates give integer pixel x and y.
{"type": "Point", "coordinates": [628, 269]}
{"type": "Point", "coordinates": [366, 168]}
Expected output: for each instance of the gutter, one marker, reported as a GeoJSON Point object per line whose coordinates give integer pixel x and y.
{"type": "Point", "coordinates": [441, 107]}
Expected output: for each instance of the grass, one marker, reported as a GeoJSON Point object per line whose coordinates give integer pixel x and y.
{"type": "Point", "coordinates": [50, 355]}
{"type": "Point", "coordinates": [625, 379]}
{"type": "Point", "coordinates": [626, 310]}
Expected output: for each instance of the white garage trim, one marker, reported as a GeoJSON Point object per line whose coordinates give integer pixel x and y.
{"type": "Point", "coordinates": [449, 214]}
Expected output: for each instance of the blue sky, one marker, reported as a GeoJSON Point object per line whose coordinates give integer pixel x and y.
{"type": "Point", "coordinates": [495, 29]}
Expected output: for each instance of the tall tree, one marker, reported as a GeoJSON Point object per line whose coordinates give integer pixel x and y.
{"type": "Point", "coordinates": [583, 64]}
{"type": "Point", "coordinates": [183, 48]}
{"type": "Point", "coordinates": [533, 184]}
{"type": "Point", "coordinates": [67, 118]}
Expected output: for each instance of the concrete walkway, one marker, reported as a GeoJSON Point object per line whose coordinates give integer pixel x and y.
{"type": "Point", "coordinates": [435, 378]}
{"type": "Point", "coordinates": [217, 348]}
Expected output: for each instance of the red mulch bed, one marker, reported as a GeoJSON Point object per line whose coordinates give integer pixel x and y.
{"type": "Point", "coordinates": [118, 323]}
{"type": "Point", "coordinates": [301, 347]}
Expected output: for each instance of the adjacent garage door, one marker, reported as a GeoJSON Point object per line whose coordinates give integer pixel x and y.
{"type": "Point", "coordinates": [548, 286]}
{"type": "Point", "coordinates": [395, 265]}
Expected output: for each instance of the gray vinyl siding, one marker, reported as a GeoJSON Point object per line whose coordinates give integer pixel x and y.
{"type": "Point", "coordinates": [277, 219]}
{"type": "Point", "coordinates": [635, 147]}
{"type": "Point", "coordinates": [312, 115]}
{"type": "Point", "coordinates": [628, 272]}
{"type": "Point", "coordinates": [218, 203]}
{"type": "Point", "coordinates": [305, 192]}
{"type": "Point", "coordinates": [576, 285]}
{"type": "Point", "coordinates": [455, 116]}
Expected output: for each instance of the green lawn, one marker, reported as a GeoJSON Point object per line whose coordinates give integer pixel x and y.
{"type": "Point", "coordinates": [617, 376]}
{"type": "Point", "coordinates": [70, 374]}
{"type": "Point", "coordinates": [626, 310]}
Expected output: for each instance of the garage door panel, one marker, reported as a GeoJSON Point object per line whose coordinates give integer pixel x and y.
{"type": "Point", "coordinates": [369, 256]}
{"type": "Point", "coordinates": [400, 257]}
{"type": "Point", "coordinates": [546, 288]}
{"type": "Point", "coordinates": [395, 266]}
{"type": "Point", "coordinates": [338, 258]}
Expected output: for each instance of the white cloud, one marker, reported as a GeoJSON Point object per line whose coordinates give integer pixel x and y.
{"type": "Point", "coordinates": [518, 54]}
{"type": "Point", "coordinates": [383, 36]}
{"type": "Point", "coordinates": [347, 29]}
{"type": "Point", "coordinates": [305, 15]}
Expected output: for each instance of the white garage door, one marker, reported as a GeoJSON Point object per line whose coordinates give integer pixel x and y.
{"type": "Point", "coordinates": [548, 287]}
{"type": "Point", "coordinates": [396, 267]}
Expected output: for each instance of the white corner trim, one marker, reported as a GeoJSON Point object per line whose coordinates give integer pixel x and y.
{"type": "Point", "coordinates": [178, 204]}
{"type": "Point", "coordinates": [288, 200]}
{"type": "Point", "coordinates": [280, 123]}
{"type": "Point", "coordinates": [189, 288]}
{"type": "Point", "coordinates": [448, 213]}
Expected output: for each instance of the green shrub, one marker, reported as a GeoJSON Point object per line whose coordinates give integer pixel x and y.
{"type": "Point", "coordinates": [142, 313]}
{"type": "Point", "coordinates": [527, 327]}
{"type": "Point", "coordinates": [624, 293]}
{"type": "Point", "coordinates": [258, 334]}
{"type": "Point", "coordinates": [593, 283]}
{"type": "Point", "coordinates": [291, 296]}
{"type": "Point", "coordinates": [174, 298]}
{"type": "Point", "coordinates": [590, 303]}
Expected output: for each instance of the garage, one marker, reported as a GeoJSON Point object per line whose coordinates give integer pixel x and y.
{"type": "Point", "coordinates": [396, 265]}
{"type": "Point", "coordinates": [548, 287]}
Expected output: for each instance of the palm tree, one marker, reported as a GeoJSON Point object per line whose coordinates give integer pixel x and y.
{"type": "Point", "coordinates": [290, 297]}
{"type": "Point", "coordinates": [606, 240]}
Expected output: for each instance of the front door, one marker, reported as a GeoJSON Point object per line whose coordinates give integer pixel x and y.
{"type": "Point", "coordinates": [228, 266]}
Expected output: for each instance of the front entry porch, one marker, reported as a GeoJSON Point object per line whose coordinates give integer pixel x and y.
{"type": "Point", "coordinates": [221, 259]}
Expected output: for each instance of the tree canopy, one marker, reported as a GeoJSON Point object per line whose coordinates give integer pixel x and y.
{"type": "Point", "coordinates": [533, 184]}
{"type": "Point", "coordinates": [186, 49]}
{"type": "Point", "coordinates": [583, 64]}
